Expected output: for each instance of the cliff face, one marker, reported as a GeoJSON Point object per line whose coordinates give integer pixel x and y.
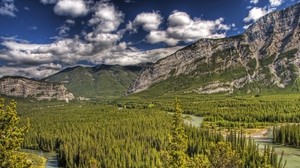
{"type": "Point", "coordinates": [267, 54]}
{"type": "Point", "coordinates": [23, 87]}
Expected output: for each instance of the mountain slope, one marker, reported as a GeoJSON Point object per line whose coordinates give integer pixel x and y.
{"type": "Point", "coordinates": [24, 87]}
{"type": "Point", "coordinates": [98, 81]}
{"type": "Point", "coordinates": [266, 56]}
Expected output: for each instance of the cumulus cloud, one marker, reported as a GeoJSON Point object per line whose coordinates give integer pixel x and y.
{"type": "Point", "coordinates": [106, 18]}
{"type": "Point", "coordinates": [181, 27]}
{"type": "Point", "coordinates": [8, 8]}
{"type": "Point", "coordinates": [148, 21]}
{"type": "Point", "coordinates": [37, 60]}
{"type": "Point", "coordinates": [254, 1]}
{"type": "Point", "coordinates": [102, 48]}
{"type": "Point", "coordinates": [71, 8]}
{"type": "Point", "coordinates": [275, 3]}
{"type": "Point", "coordinates": [179, 19]}
{"type": "Point", "coordinates": [160, 36]}
{"type": "Point", "coordinates": [38, 71]}
{"type": "Point", "coordinates": [255, 13]}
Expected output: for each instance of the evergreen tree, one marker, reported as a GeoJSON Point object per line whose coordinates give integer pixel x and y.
{"type": "Point", "coordinates": [11, 137]}
{"type": "Point", "coordinates": [176, 156]}
{"type": "Point", "coordinates": [221, 155]}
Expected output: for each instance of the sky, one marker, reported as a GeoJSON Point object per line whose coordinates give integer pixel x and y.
{"type": "Point", "coordinates": [41, 37]}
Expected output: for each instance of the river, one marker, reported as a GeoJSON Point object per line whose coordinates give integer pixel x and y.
{"type": "Point", "coordinates": [51, 157]}
{"type": "Point", "coordinates": [291, 155]}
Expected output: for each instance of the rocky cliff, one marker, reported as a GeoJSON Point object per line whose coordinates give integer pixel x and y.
{"type": "Point", "coordinates": [23, 87]}
{"type": "Point", "coordinates": [267, 54]}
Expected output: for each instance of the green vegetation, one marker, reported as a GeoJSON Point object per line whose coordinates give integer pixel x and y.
{"type": "Point", "coordinates": [288, 54]}
{"type": "Point", "coordinates": [287, 135]}
{"type": "Point", "coordinates": [35, 160]}
{"type": "Point", "coordinates": [251, 65]}
{"type": "Point", "coordinates": [267, 60]}
{"type": "Point", "coordinates": [133, 131]}
{"type": "Point", "coordinates": [100, 81]}
{"type": "Point", "coordinates": [12, 136]}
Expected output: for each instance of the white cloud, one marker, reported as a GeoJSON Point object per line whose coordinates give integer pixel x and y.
{"type": "Point", "coordinates": [246, 26]}
{"type": "Point", "coordinates": [179, 19]}
{"type": "Point", "coordinates": [36, 60]}
{"type": "Point", "coordinates": [255, 13]}
{"type": "Point", "coordinates": [8, 8]}
{"type": "Point", "coordinates": [254, 1]}
{"type": "Point", "coordinates": [71, 8]}
{"type": "Point", "coordinates": [104, 38]}
{"type": "Point", "coordinates": [26, 8]}
{"type": "Point", "coordinates": [183, 28]}
{"type": "Point", "coordinates": [106, 18]}
{"type": "Point", "coordinates": [275, 3]}
{"type": "Point", "coordinates": [38, 71]}
{"type": "Point", "coordinates": [70, 21]}
{"type": "Point", "coordinates": [65, 28]}
{"type": "Point", "coordinates": [48, 1]}
{"type": "Point", "coordinates": [149, 21]}
{"type": "Point", "coordinates": [160, 36]}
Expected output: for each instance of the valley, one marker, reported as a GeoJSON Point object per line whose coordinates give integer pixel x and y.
{"type": "Point", "coordinates": [96, 125]}
{"type": "Point", "coordinates": [216, 103]}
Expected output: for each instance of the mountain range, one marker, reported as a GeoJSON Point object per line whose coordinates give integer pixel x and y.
{"type": "Point", "coordinates": [266, 57]}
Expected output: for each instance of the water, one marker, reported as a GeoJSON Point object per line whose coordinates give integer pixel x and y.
{"type": "Point", "coordinates": [52, 161]}
{"type": "Point", "coordinates": [291, 155]}
{"type": "Point", "coordinates": [191, 119]}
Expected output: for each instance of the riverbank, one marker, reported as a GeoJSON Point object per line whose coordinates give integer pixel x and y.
{"type": "Point", "coordinates": [263, 136]}
{"type": "Point", "coordinates": [50, 158]}
{"type": "Point", "coordinates": [291, 155]}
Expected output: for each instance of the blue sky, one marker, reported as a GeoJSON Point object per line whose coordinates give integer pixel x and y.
{"type": "Point", "coordinates": [41, 37]}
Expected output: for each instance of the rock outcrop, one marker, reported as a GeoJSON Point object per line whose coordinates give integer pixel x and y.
{"type": "Point", "coordinates": [267, 54]}
{"type": "Point", "coordinates": [24, 87]}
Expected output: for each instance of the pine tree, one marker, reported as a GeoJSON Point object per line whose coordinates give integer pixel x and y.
{"type": "Point", "coordinates": [221, 155]}
{"type": "Point", "coordinates": [11, 137]}
{"type": "Point", "coordinates": [175, 156]}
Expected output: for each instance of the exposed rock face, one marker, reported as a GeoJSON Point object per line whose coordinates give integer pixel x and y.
{"type": "Point", "coordinates": [23, 87]}
{"type": "Point", "coordinates": [268, 54]}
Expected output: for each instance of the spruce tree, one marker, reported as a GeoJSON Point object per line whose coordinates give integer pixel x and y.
{"type": "Point", "coordinates": [11, 137]}
{"type": "Point", "coordinates": [176, 156]}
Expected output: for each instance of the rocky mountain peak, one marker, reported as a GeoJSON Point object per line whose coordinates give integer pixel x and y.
{"type": "Point", "coordinates": [265, 55]}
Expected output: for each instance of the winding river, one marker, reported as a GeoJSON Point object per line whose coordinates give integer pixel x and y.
{"type": "Point", "coordinates": [291, 155]}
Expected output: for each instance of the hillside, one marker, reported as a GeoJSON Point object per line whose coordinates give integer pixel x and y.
{"type": "Point", "coordinates": [97, 81]}
{"type": "Point", "coordinates": [264, 58]}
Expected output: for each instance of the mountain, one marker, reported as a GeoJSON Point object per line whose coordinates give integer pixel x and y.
{"type": "Point", "coordinates": [24, 87]}
{"type": "Point", "coordinates": [97, 81]}
{"type": "Point", "coordinates": [265, 57]}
